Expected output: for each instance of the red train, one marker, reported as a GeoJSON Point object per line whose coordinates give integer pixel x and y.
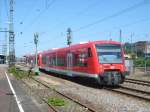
{"type": "Point", "coordinates": [101, 60]}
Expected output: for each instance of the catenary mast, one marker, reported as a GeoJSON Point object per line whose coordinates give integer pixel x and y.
{"type": "Point", "coordinates": [11, 35]}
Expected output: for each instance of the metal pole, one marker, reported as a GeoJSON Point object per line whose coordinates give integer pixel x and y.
{"type": "Point", "coordinates": [5, 48]}
{"type": "Point", "coordinates": [120, 35]}
{"type": "Point", "coordinates": [69, 41]}
{"type": "Point", "coordinates": [11, 35]}
{"type": "Point", "coordinates": [36, 55]}
{"type": "Point", "coordinates": [145, 57]}
{"type": "Point", "coordinates": [36, 35]}
{"type": "Point", "coordinates": [110, 36]}
{"type": "Point", "coordinates": [36, 42]}
{"type": "Point", "coordinates": [132, 43]}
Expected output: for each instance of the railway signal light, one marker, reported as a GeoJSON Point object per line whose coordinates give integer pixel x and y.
{"type": "Point", "coordinates": [36, 36]}
{"type": "Point", "coordinates": [69, 38]}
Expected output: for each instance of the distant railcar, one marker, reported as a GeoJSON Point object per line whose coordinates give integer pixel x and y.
{"type": "Point", "coordinates": [101, 60]}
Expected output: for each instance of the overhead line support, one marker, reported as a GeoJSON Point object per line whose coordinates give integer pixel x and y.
{"type": "Point", "coordinates": [11, 57]}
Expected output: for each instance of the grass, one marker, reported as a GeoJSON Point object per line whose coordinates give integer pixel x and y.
{"type": "Point", "coordinates": [147, 75]}
{"type": "Point", "coordinates": [56, 101]}
{"type": "Point", "coordinates": [19, 74]}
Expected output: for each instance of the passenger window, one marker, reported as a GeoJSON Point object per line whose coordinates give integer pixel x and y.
{"type": "Point", "coordinates": [43, 60]}
{"type": "Point", "coordinates": [89, 52]}
{"type": "Point", "coordinates": [82, 60]}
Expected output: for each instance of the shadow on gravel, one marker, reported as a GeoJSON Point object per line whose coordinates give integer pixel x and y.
{"type": "Point", "coordinates": [79, 80]}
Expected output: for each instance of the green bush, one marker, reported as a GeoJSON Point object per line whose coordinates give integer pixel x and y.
{"type": "Point", "coordinates": [140, 62]}
{"type": "Point", "coordinates": [19, 74]}
{"type": "Point", "coordinates": [56, 101]}
{"type": "Point", "coordinates": [148, 62]}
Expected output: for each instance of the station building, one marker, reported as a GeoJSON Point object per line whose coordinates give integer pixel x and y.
{"type": "Point", "coordinates": [2, 59]}
{"type": "Point", "coordinates": [143, 46]}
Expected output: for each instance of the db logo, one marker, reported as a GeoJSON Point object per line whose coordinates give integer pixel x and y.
{"type": "Point", "coordinates": [112, 67]}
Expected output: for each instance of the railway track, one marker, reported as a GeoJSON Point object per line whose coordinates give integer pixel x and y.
{"type": "Point", "coordinates": [145, 95]}
{"type": "Point", "coordinates": [88, 107]}
{"type": "Point", "coordinates": [143, 68]}
{"type": "Point", "coordinates": [139, 82]}
{"type": "Point", "coordinates": [44, 100]}
{"type": "Point", "coordinates": [121, 90]}
{"type": "Point", "coordinates": [131, 92]}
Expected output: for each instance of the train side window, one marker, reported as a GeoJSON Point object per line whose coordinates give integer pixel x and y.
{"type": "Point", "coordinates": [82, 60]}
{"type": "Point", "coordinates": [60, 61]}
{"type": "Point", "coordinates": [89, 52]}
{"type": "Point", "coordinates": [44, 60]}
{"type": "Point", "coordinates": [47, 60]}
{"type": "Point", "coordinates": [50, 61]}
{"type": "Point", "coordinates": [54, 61]}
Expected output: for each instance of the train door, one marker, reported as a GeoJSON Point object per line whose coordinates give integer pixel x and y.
{"type": "Point", "coordinates": [69, 63]}
{"type": "Point", "coordinates": [47, 63]}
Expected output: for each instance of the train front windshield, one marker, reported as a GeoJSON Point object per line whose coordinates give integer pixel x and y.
{"type": "Point", "coordinates": [109, 53]}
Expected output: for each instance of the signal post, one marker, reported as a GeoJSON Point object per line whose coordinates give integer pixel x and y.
{"type": "Point", "coordinates": [36, 69]}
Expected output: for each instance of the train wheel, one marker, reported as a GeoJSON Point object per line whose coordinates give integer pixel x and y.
{"type": "Point", "coordinates": [100, 82]}
{"type": "Point", "coordinates": [122, 78]}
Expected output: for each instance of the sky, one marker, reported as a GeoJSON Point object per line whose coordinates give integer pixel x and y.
{"type": "Point", "coordinates": [89, 20]}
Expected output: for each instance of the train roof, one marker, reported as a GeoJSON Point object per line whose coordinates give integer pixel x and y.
{"type": "Point", "coordinates": [81, 44]}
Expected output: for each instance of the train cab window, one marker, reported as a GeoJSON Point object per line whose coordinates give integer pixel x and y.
{"type": "Point", "coordinates": [109, 53]}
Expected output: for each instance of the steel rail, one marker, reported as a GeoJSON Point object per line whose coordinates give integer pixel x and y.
{"type": "Point", "coordinates": [131, 92]}
{"type": "Point", "coordinates": [140, 82]}
{"type": "Point", "coordinates": [68, 97]}
{"type": "Point", "coordinates": [52, 107]}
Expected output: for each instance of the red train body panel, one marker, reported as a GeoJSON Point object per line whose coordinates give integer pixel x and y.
{"type": "Point", "coordinates": [102, 60]}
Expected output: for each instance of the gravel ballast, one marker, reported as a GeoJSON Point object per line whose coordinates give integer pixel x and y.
{"type": "Point", "coordinates": [102, 100]}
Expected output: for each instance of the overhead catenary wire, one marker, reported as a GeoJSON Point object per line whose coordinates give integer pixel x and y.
{"type": "Point", "coordinates": [34, 5]}
{"type": "Point", "coordinates": [117, 14]}
{"type": "Point", "coordinates": [80, 13]}
{"type": "Point", "coordinates": [38, 16]}
{"type": "Point", "coordinates": [133, 23]}
{"type": "Point", "coordinates": [128, 24]}
{"type": "Point", "coordinates": [133, 7]}
{"type": "Point", "coordinates": [47, 4]}
{"type": "Point", "coordinates": [85, 10]}
{"type": "Point", "coordinates": [0, 13]}
{"type": "Point", "coordinates": [6, 8]}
